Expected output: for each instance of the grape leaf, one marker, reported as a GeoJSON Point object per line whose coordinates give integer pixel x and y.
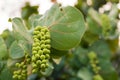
{"type": "Point", "coordinates": [66, 26]}
{"type": "Point", "coordinates": [16, 51]}
{"type": "Point", "coordinates": [19, 27]}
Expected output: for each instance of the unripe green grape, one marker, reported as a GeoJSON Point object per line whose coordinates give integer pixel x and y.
{"type": "Point", "coordinates": [34, 65]}
{"type": "Point", "coordinates": [34, 70]}
{"type": "Point", "coordinates": [42, 57]}
{"type": "Point", "coordinates": [24, 71]}
{"type": "Point", "coordinates": [33, 58]}
{"type": "Point", "coordinates": [36, 40]}
{"type": "Point", "coordinates": [36, 32]}
{"type": "Point", "coordinates": [47, 36]}
{"type": "Point", "coordinates": [47, 41]}
{"type": "Point", "coordinates": [95, 70]}
{"type": "Point", "coordinates": [19, 77]}
{"type": "Point", "coordinates": [43, 30]}
{"type": "Point", "coordinates": [22, 63]}
{"type": "Point", "coordinates": [92, 61]}
{"type": "Point", "coordinates": [42, 46]}
{"type": "Point", "coordinates": [20, 66]}
{"type": "Point", "coordinates": [93, 65]}
{"type": "Point", "coordinates": [35, 36]}
{"type": "Point", "coordinates": [46, 29]}
{"type": "Point", "coordinates": [98, 68]}
{"type": "Point", "coordinates": [38, 28]}
{"type": "Point", "coordinates": [19, 72]}
{"type": "Point", "coordinates": [37, 56]}
{"type": "Point", "coordinates": [15, 72]}
{"type": "Point", "coordinates": [47, 46]}
{"type": "Point", "coordinates": [92, 55]}
{"type": "Point", "coordinates": [38, 62]}
{"type": "Point", "coordinates": [46, 51]}
{"type": "Point", "coordinates": [24, 66]}
{"type": "Point", "coordinates": [15, 76]}
{"type": "Point", "coordinates": [38, 48]}
{"type": "Point", "coordinates": [42, 33]}
{"type": "Point", "coordinates": [42, 65]}
{"type": "Point", "coordinates": [37, 44]}
{"type": "Point", "coordinates": [46, 65]}
{"type": "Point", "coordinates": [34, 45]}
{"type": "Point", "coordinates": [34, 52]}
{"type": "Point", "coordinates": [96, 61]}
{"type": "Point", "coordinates": [17, 65]}
{"type": "Point", "coordinates": [24, 75]}
{"type": "Point", "coordinates": [42, 42]}
{"type": "Point", "coordinates": [44, 61]}
{"type": "Point", "coordinates": [40, 52]}
{"type": "Point", "coordinates": [43, 38]}
{"type": "Point", "coordinates": [47, 56]}
{"type": "Point", "coordinates": [47, 33]}
{"type": "Point", "coordinates": [39, 36]}
{"type": "Point", "coordinates": [34, 49]}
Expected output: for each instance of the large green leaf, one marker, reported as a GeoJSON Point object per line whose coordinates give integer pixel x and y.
{"type": "Point", "coordinates": [19, 27]}
{"type": "Point", "coordinates": [102, 49]}
{"type": "Point", "coordinates": [16, 51]}
{"type": "Point", "coordinates": [66, 26]}
{"type": "Point", "coordinates": [3, 49]}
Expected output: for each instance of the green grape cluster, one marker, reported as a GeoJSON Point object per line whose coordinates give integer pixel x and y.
{"type": "Point", "coordinates": [21, 72]}
{"type": "Point", "coordinates": [94, 64]}
{"type": "Point", "coordinates": [40, 49]}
